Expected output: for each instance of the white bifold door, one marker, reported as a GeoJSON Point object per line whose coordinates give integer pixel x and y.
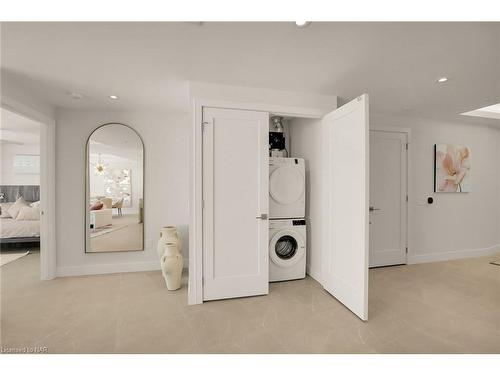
{"type": "Point", "coordinates": [235, 203]}
{"type": "Point", "coordinates": [345, 158]}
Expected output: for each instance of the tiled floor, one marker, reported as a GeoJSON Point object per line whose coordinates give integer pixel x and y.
{"type": "Point", "coordinates": [443, 307]}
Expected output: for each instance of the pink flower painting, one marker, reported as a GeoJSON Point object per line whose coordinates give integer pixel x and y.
{"type": "Point", "coordinates": [452, 169]}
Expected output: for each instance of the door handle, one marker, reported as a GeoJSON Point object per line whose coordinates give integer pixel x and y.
{"type": "Point", "coordinates": [374, 209]}
{"type": "Point", "coordinates": [262, 217]}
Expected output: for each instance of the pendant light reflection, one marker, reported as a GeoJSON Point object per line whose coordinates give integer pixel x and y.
{"type": "Point", "coordinates": [100, 166]}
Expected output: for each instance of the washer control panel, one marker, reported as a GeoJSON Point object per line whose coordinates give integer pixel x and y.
{"type": "Point", "coordinates": [299, 222]}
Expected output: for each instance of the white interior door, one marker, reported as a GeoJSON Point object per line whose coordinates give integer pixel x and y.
{"type": "Point", "coordinates": [345, 196]}
{"type": "Point", "coordinates": [235, 200]}
{"type": "Point", "coordinates": [388, 165]}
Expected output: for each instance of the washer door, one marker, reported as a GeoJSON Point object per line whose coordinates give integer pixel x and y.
{"type": "Point", "coordinates": [286, 184]}
{"type": "Point", "coordinates": [286, 248]}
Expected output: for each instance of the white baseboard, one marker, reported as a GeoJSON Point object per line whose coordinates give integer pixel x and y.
{"type": "Point", "coordinates": [100, 269]}
{"type": "Point", "coordinates": [450, 255]}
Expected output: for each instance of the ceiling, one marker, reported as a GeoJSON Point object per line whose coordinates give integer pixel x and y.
{"type": "Point", "coordinates": [148, 65]}
{"type": "Point", "coordinates": [16, 129]}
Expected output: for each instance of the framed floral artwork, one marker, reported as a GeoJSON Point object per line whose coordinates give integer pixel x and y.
{"type": "Point", "coordinates": [452, 164]}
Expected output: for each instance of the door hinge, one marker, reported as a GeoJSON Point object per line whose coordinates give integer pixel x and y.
{"type": "Point", "coordinates": [407, 146]}
{"type": "Point", "coordinates": [407, 197]}
{"type": "Point", "coordinates": [407, 250]}
{"type": "Point", "coordinates": [203, 125]}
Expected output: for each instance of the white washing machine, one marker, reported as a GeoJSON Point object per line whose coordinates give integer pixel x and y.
{"type": "Point", "coordinates": [287, 188]}
{"type": "Point", "coordinates": [287, 249]}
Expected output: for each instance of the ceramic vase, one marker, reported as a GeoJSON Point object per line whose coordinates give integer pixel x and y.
{"type": "Point", "coordinates": [168, 234]}
{"type": "Point", "coordinates": [169, 251]}
{"type": "Point", "coordinates": [171, 265]}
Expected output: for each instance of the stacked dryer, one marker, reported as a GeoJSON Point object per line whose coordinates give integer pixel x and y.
{"type": "Point", "coordinates": [287, 225]}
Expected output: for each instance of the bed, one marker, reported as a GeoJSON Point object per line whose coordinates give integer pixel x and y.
{"type": "Point", "coordinates": [19, 231]}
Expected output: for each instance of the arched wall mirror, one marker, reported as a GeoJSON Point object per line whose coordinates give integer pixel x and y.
{"type": "Point", "coordinates": [114, 190]}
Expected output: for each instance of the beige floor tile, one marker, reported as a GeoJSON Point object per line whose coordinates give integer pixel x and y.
{"type": "Point", "coordinates": [447, 307]}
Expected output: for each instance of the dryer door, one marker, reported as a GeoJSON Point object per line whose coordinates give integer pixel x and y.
{"type": "Point", "coordinates": [286, 184]}
{"type": "Point", "coordinates": [287, 247]}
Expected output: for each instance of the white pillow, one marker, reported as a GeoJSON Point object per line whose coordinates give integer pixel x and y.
{"type": "Point", "coordinates": [14, 209]}
{"type": "Point", "coordinates": [35, 204]}
{"type": "Point", "coordinates": [28, 213]}
{"type": "Point", "coordinates": [4, 209]}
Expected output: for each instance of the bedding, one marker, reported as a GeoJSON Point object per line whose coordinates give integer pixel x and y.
{"type": "Point", "coordinates": [35, 204]}
{"type": "Point", "coordinates": [28, 213]}
{"type": "Point", "coordinates": [16, 207]}
{"type": "Point", "coordinates": [4, 209]}
{"type": "Point", "coordinates": [11, 228]}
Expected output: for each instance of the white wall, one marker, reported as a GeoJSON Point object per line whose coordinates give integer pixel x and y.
{"type": "Point", "coordinates": [305, 140]}
{"type": "Point", "coordinates": [7, 176]}
{"type": "Point", "coordinates": [13, 90]}
{"type": "Point", "coordinates": [456, 225]}
{"type": "Point", "coordinates": [271, 98]}
{"type": "Point", "coordinates": [166, 142]}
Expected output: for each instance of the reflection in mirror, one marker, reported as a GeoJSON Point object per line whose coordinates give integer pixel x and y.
{"type": "Point", "coordinates": [114, 193]}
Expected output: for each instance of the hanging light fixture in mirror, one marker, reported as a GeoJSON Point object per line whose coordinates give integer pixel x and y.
{"type": "Point", "coordinates": [100, 166]}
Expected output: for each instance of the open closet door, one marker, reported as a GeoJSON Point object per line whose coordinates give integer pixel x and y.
{"type": "Point", "coordinates": [235, 203]}
{"type": "Point", "coordinates": [345, 196]}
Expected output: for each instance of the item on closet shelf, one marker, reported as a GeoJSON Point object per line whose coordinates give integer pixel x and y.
{"type": "Point", "coordinates": [277, 124]}
{"type": "Point", "coordinates": [277, 142]}
{"type": "Point", "coordinates": [169, 251]}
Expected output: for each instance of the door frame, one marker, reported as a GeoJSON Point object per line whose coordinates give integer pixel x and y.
{"type": "Point", "coordinates": [195, 281]}
{"type": "Point", "coordinates": [409, 190]}
{"type": "Point", "coordinates": [48, 251]}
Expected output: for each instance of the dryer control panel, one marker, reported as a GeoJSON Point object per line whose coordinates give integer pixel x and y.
{"type": "Point", "coordinates": [299, 222]}
{"type": "Point", "coordinates": [274, 160]}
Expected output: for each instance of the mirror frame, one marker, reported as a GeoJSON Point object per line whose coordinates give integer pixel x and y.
{"type": "Point", "coordinates": [87, 191]}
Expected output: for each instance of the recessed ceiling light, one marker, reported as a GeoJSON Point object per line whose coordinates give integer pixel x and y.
{"type": "Point", "coordinates": [114, 97]}
{"type": "Point", "coordinates": [442, 80]}
{"type": "Point", "coordinates": [302, 23]}
{"type": "Point", "coordinates": [75, 95]}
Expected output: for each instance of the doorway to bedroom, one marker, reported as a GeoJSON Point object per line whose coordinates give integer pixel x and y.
{"type": "Point", "coordinates": [20, 176]}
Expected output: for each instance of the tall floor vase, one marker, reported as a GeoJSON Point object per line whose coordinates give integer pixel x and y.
{"type": "Point", "coordinates": [169, 251]}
